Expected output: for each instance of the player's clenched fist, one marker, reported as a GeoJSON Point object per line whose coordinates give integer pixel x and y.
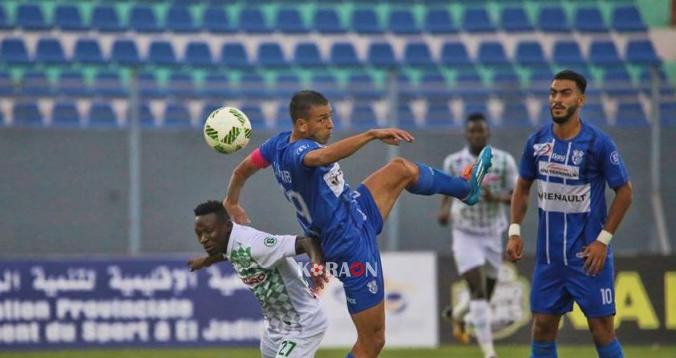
{"type": "Point", "coordinates": [514, 248]}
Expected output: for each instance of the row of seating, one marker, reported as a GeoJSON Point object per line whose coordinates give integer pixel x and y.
{"type": "Point", "coordinates": [50, 51]}
{"type": "Point", "coordinates": [179, 18]}
{"type": "Point", "coordinates": [361, 115]}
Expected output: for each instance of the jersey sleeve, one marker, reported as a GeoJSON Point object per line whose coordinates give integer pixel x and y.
{"type": "Point", "coordinates": [269, 249]}
{"type": "Point", "coordinates": [511, 172]}
{"type": "Point", "coordinates": [301, 149]}
{"type": "Point", "coordinates": [612, 164]}
{"type": "Point", "coordinates": [527, 168]}
{"type": "Point", "coordinates": [266, 150]}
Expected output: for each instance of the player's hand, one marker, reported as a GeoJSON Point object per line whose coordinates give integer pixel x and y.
{"type": "Point", "coordinates": [320, 277]}
{"type": "Point", "coordinates": [443, 217]}
{"type": "Point", "coordinates": [392, 136]}
{"type": "Point", "coordinates": [514, 248]}
{"type": "Point", "coordinates": [595, 257]}
{"type": "Point", "coordinates": [199, 263]}
{"type": "Point", "coordinates": [487, 194]}
{"type": "Point", "coordinates": [237, 213]}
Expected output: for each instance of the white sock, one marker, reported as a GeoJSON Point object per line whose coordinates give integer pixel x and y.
{"type": "Point", "coordinates": [481, 319]}
{"type": "Point", "coordinates": [460, 309]}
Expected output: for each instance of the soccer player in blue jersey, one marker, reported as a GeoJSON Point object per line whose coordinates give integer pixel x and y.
{"type": "Point", "coordinates": [346, 221]}
{"type": "Point", "coordinates": [571, 161]}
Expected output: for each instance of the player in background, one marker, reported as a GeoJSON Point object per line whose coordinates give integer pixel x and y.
{"type": "Point", "coordinates": [571, 161]}
{"type": "Point", "coordinates": [346, 221]}
{"type": "Point", "coordinates": [295, 323]}
{"type": "Point", "coordinates": [477, 232]}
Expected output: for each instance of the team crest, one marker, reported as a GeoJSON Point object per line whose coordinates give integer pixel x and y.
{"type": "Point", "coordinates": [373, 287]}
{"type": "Point", "coordinates": [270, 241]}
{"type": "Point", "coordinates": [577, 156]}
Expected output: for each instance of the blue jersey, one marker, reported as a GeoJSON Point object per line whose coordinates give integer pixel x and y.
{"type": "Point", "coordinates": [571, 177]}
{"type": "Point", "coordinates": [324, 202]}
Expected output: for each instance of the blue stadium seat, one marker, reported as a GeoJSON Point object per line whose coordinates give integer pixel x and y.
{"type": "Point", "coordinates": [617, 82]}
{"type": "Point", "coordinates": [88, 51]}
{"type": "Point", "coordinates": [402, 22]}
{"type": "Point", "coordinates": [179, 19]}
{"type": "Point", "coordinates": [270, 54]}
{"type": "Point", "coordinates": [147, 85]}
{"type": "Point", "coordinates": [255, 114]}
{"type": "Point", "coordinates": [65, 114]}
{"type": "Point", "coordinates": [470, 87]}
{"type": "Point", "coordinates": [109, 84]}
{"type": "Point", "coordinates": [49, 51]}
{"type": "Point", "coordinates": [71, 83]}
{"type": "Point", "coordinates": [29, 17]}
{"type": "Point", "coordinates": [362, 86]}
{"type": "Point", "coordinates": [161, 53]}
{"type": "Point", "coordinates": [327, 84]}
{"type": "Point", "coordinates": [286, 85]}
{"type": "Point", "coordinates": [492, 53]}
{"type": "Point", "coordinates": [214, 19]}
{"type": "Point", "coordinates": [439, 115]}
{"type": "Point", "coordinates": [433, 86]}
{"type": "Point", "coordinates": [216, 85]}
{"type": "Point", "coordinates": [474, 105]}
{"type": "Point", "coordinates": [439, 21]}
{"type": "Point", "coordinates": [506, 83]}
{"type": "Point", "coordinates": [418, 54]}
{"type": "Point", "coordinates": [363, 116]}
{"type": "Point", "coordinates": [68, 18]}
{"type": "Point", "coordinates": [515, 115]}
{"type": "Point", "coordinates": [593, 113]}
{"type": "Point", "coordinates": [515, 19]}
{"type": "Point", "coordinates": [13, 51]}
{"type": "Point", "coordinates": [630, 114]}
{"type": "Point", "coordinates": [234, 54]}
{"type": "Point", "coordinates": [567, 53]}
{"type": "Point", "coordinates": [405, 117]}
{"type": "Point", "coordinates": [553, 19]}
{"type": "Point", "coordinates": [529, 53]}
{"type": "Point", "coordinates": [198, 53]}
{"type": "Point", "coordinates": [252, 86]}
{"type": "Point", "coordinates": [289, 21]}
{"type": "Point", "coordinates": [668, 113]}
{"type": "Point", "coordinates": [627, 19]}
{"type": "Point", "coordinates": [381, 54]}
{"type": "Point", "coordinates": [145, 115]}
{"type": "Point", "coordinates": [125, 53]}
{"type": "Point", "coordinates": [34, 83]}
{"type": "Point", "coordinates": [477, 20]}
{"type": "Point", "coordinates": [641, 52]}
{"type": "Point", "coordinates": [142, 19]}
{"type": "Point", "coordinates": [106, 19]}
{"type": "Point", "coordinates": [645, 83]}
{"type": "Point", "coordinates": [6, 84]}
{"type": "Point", "coordinates": [307, 54]}
{"type": "Point", "coordinates": [365, 21]}
{"type": "Point", "coordinates": [27, 114]}
{"type": "Point", "coordinates": [101, 115]}
{"type": "Point", "coordinates": [181, 85]}
{"type": "Point", "coordinates": [343, 54]}
{"type": "Point", "coordinates": [251, 20]}
{"type": "Point", "coordinates": [176, 115]}
{"type": "Point", "coordinates": [454, 54]}
{"type": "Point", "coordinates": [604, 53]}
{"type": "Point", "coordinates": [326, 21]}
{"type": "Point", "coordinates": [4, 21]}
{"type": "Point", "coordinates": [539, 81]}
{"type": "Point", "coordinates": [589, 19]}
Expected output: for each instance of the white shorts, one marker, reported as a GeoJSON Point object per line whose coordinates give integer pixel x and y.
{"type": "Point", "coordinates": [471, 250]}
{"type": "Point", "coordinates": [290, 345]}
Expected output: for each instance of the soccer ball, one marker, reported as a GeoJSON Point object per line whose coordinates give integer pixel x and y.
{"type": "Point", "coordinates": [227, 130]}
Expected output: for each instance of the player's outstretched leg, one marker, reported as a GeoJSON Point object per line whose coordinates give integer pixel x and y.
{"type": "Point", "coordinates": [603, 332]}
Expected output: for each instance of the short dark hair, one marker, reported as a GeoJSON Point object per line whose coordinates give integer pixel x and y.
{"type": "Point", "coordinates": [579, 80]}
{"type": "Point", "coordinates": [475, 117]}
{"type": "Point", "coordinates": [302, 101]}
{"type": "Point", "coordinates": [212, 207]}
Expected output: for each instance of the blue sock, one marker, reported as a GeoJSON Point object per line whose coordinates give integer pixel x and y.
{"type": "Point", "coordinates": [611, 350]}
{"type": "Point", "coordinates": [543, 349]}
{"type": "Point", "coordinates": [349, 355]}
{"type": "Point", "coordinates": [433, 181]}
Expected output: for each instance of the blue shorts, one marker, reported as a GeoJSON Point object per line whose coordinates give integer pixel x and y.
{"type": "Point", "coordinates": [556, 286]}
{"type": "Point", "coordinates": [364, 285]}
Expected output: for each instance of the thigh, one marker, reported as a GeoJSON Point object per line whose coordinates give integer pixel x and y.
{"type": "Point", "coordinates": [269, 345]}
{"type": "Point", "coordinates": [370, 323]}
{"type": "Point", "coordinates": [549, 294]}
{"type": "Point", "coordinates": [364, 286]}
{"type": "Point", "coordinates": [595, 295]}
{"type": "Point", "coordinates": [468, 252]}
{"type": "Point", "coordinates": [387, 183]}
{"type": "Point", "coordinates": [545, 326]}
{"type": "Point", "coordinates": [299, 346]}
{"type": "Point", "coordinates": [493, 252]}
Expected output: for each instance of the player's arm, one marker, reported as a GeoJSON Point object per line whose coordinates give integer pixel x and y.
{"type": "Point", "coordinates": [518, 210]}
{"type": "Point", "coordinates": [348, 146]}
{"type": "Point", "coordinates": [311, 247]}
{"type": "Point", "coordinates": [244, 170]}
{"type": "Point", "coordinates": [444, 215]}
{"type": "Point", "coordinates": [199, 263]}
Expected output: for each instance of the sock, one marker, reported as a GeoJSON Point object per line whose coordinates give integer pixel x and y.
{"type": "Point", "coordinates": [349, 355]}
{"type": "Point", "coordinates": [433, 181]}
{"type": "Point", "coordinates": [543, 349]}
{"type": "Point", "coordinates": [461, 308]}
{"type": "Point", "coordinates": [481, 319]}
{"type": "Point", "coordinates": [611, 350]}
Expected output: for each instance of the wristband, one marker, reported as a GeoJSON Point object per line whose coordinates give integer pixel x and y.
{"type": "Point", "coordinates": [514, 230]}
{"type": "Point", "coordinates": [605, 237]}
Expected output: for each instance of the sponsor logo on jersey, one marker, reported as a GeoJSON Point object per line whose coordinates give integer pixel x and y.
{"type": "Point", "coordinates": [554, 197]}
{"type": "Point", "coordinates": [542, 149]}
{"type": "Point", "coordinates": [559, 170]}
{"type": "Point", "coordinates": [255, 279]}
{"type": "Point", "coordinates": [334, 180]}
{"type": "Point", "coordinates": [270, 241]}
{"type": "Point", "coordinates": [577, 156]}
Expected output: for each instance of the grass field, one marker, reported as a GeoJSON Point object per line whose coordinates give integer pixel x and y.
{"type": "Point", "coordinates": [463, 352]}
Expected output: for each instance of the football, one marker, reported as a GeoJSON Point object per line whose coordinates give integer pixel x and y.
{"type": "Point", "coordinates": [227, 130]}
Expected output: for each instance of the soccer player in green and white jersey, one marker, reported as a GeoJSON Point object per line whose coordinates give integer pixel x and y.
{"type": "Point", "coordinates": [295, 323]}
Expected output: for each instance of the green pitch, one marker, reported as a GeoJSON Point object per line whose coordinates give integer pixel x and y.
{"type": "Point", "coordinates": [445, 352]}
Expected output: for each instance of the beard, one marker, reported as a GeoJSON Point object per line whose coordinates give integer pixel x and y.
{"type": "Point", "coordinates": [564, 118]}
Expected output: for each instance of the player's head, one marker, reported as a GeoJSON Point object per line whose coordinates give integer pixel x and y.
{"type": "Point", "coordinates": [566, 95]}
{"type": "Point", "coordinates": [477, 131]}
{"type": "Point", "coordinates": [312, 116]}
{"type": "Point", "coordinates": [212, 227]}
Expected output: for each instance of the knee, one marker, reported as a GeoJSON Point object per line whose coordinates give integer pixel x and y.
{"type": "Point", "coordinates": [407, 168]}
{"type": "Point", "coordinates": [373, 343]}
{"type": "Point", "coordinates": [602, 332]}
{"type": "Point", "coordinates": [544, 330]}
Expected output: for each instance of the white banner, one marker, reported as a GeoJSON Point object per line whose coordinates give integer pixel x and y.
{"type": "Point", "coordinates": [410, 304]}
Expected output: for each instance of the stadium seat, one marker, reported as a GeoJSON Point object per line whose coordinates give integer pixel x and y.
{"type": "Point", "coordinates": [145, 116]}
{"type": "Point", "coordinates": [251, 20]}
{"type": "Point", "coordinates": [567, 53]}
{"type": "Point", "coordinates": [270, 54]}
{"type": "Point", "coordinates": [30, 18]}
{"type": "Point", "coordinates": [198, 53]}
{"type": "Point", "coordinates": [617, 82]}
{"type": "Point", "coordinates": [109, 84]}
{"type": "Point", "coordinates": [539, 81]}
{"type": "Point", "coordinates": [289, 21]}
{"type": "Point", "coordinates": [13, 51]}
{"type": "Point", "coordinates": [181, 85]}
{"type": "Point", "coordinates": [433, 86]}
{"type": "Point", "coordinates": [4, 20]}
{"type": "Point", "coordinates": [233, 54]}
{"type": "Point", "coordinates": [439, 115]}
{"type": "Point", "coordinates": [216, 85]}
{"type": "Point", "coordinates": [418, 54]}
{"type": "Point", "coordinates": [492, 53]}
{"type": "Point", "coordinates": [179, 19]}
{"type": "Point", "coordinates": [604, 53]}
{"type": "Point", "coordinates": [88, 51]}
{"type": "Point", "coordinates": [470, 87]}
{"type": "Point", "coordinates": [71, 83]}
{"type": "Point", "coordinates": [668, 113]}
{"type": "Point", "coordinates": [515, 19]}
{"type": "Point", "coordinates": [627, 19]}
{"type": "Point", "coordinates": [147, 85]}
{"type": "Point", "coordinates": [454, 54]}
{"type": "Point", "coordinates": [106, 19]}
{"type": "Point", "coordinates": [307, 54]}
{"type": "Point", "coordinates": [363, 116]}
{"type": "Point", "coordinates": [252, 86]}
{"type": "Point", "coordinates": [553, 19]}
{"type": "Point", "coordinates": [125, 53]}
{"type": "Point", "coordinates": [365, 21]}
{"type": "Point", "coordinates": [27, 114]}
{"type": "Point", "coordinates": [142, 19]}
{"type": "Point", "coordinates": [589, 19]}
{"type": "Point", "coordinates": [6, 84]}
{"type": "Point", "coordinates": [646, 79]}
{"type": "Point", "coordinates": [34, 83]}
{"type": "Point", "coordinates": [176, 115]}
{"type": "Point", "coordinates": [362, 86]}
{"type": "Point", "coordinates": [343, 54]}
{"type": "Point", "coordinates": [402, 22]}
{"type": "Point", "coordinates": [506, 84]}
{"type": "Point", "coordinates": [255, 114]}
{"type": "Point", "coordinates": [214, 19]}
{"type": "Point", "coordinates": [49, 51]}
{"type": "Point", "coordinates": [381, 54]}
{"type": "Point", "coordinates": [515, 115]}
{"type": "Point", "coordinates": [68, 18]}
{"type": "Point", "coordinates": [476, 106]}
{"type": "Point", "coordinates": [405, 117]}
{"type": "Point", "coordinates": [630, 114]}
{"type": "Point", "coordinates": [326, 21]}
{"type": "Point", "coordinates": [641, 52]}
{"type": "Point", "coordinates": [65, 114]}
{"type": "Point", "coordinates": [286, 85]}
{"type": "Point", "coordinates": [101, 115]}
{"type": "Point", "coordinates": [593, 113]}
{"type": "Point", "coordinates": [161, 53]}
{"type": "Point", "coordinates": [439, 21]}
{"type": "Point", "coordinates": [529, 53]}
{"type": "Point", "coordinates": [327, 84]}
{"type": "Point", "coordinates": [477, 20]}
